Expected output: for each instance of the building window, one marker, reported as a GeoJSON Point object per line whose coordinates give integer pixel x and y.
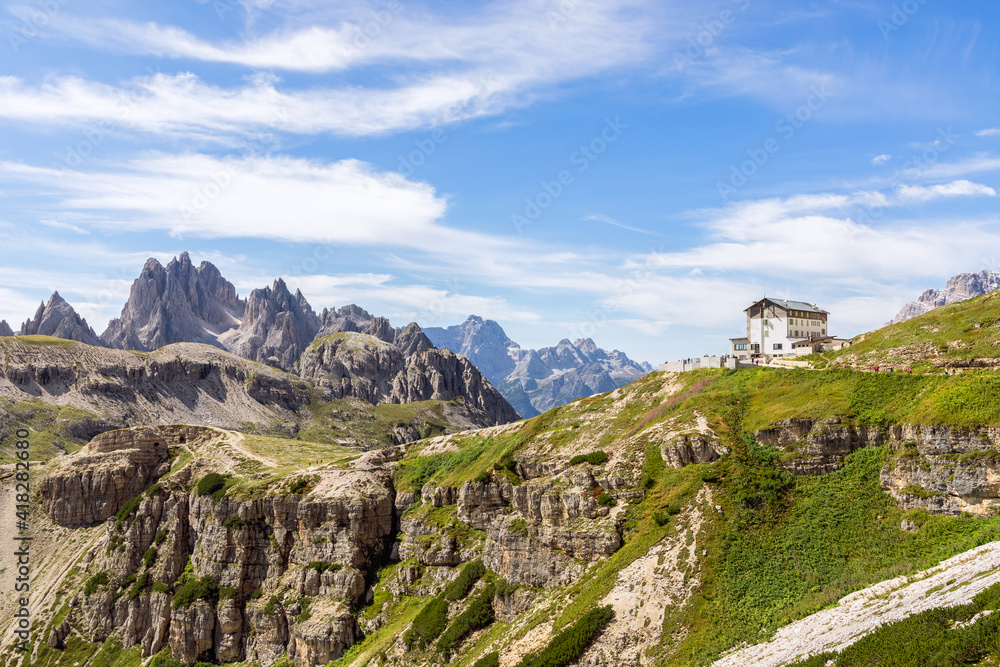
{"type": "Point", "coordinates": [777, 346]}
{"type": "Point", "coordinates": [767, 333]}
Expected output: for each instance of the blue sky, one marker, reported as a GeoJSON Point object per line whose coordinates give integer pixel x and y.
{"type": "Point", "coordinates": [637, 172]}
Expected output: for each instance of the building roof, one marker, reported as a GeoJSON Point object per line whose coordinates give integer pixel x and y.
{"type": "Point", "coordinates": [789, 305]}
{"type": "Point", "coordinates": [740, 338]}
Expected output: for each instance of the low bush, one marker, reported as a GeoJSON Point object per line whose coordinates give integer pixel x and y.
{"type": "Point", "coordinates": [593, 458]}
{"type": "Point", "coordinates": [299, 485]}
{"type": "Point", "coordinates": [322, 566]}
{"type": "Point", "coordinates": [160, 587]}
{"type": "Point", "coordinates": [96, 581]}
{"type": "Point", "coordinates": [227, 593]}
{"type": "Point", "coordinates": [271, 606]}
{"type": "Point", "coordinates": [149, 558]}
{"type": "Point", "coordinates": [570, 644]}
{"type": "Point", "coordinates": [140, 585]}
{"type": "Point", "coordinates": [257, 593]}
{"type": "Point", "coordinates": [466, 579]}
{"type": "Point", "coordinates": [211, 483]}
{"type": "Point", "coordinates": [234, 522]}
{"type": "Point", "coordinates": [161, 536]}
{"type": "Point", "coordinates": [482, 478]}
{"type": "Point", "coordinates": [194, 589]}
{"type": "Point", "coordinates": [478, 615]}
{"type": "Point", "coordinates": [605, 499]}
{"type": "Point", "coordinates": [488, 660]}
{"type": "Point", "coordinates": [126, 510]}
{"type": "Point", "coordinates": [428, 623]}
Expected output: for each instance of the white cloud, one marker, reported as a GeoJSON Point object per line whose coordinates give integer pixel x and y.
{"type": "Point", "coordinates": [597, 217]}
{"type": "Point", "coordinates": [443, 71]}
{"type": "Point", "coordinates": [881, 159]}
{"type": "Point", "coordinates": [989, 132]}
{"type": "Point", "coordinates": [920, 193]}
{"type": "Point", "coordinates": [277, 198]}
{"type": "Point", "coordinates": [56, 224]}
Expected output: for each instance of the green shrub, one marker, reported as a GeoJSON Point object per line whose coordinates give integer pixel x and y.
{"type": "Point", "coordinates": [161, 536]}
{"type": "Point", "coordinates": [661, 518]}
{"type": "Point", "coordinates": [505, 589]}
{"type": "Point", "coordinates": [257, 593]}
{"type": "Point", "coordinates": [428, 623]}
{"type": "Point", "coordinates": [299, 485]}
{"type": "Point", "coordinates": [140, 585]}
{"type": "Point", "coordinates": [234, 522]}
{"type": "Point", "coordinates": [478, 615]}
{"type": "Point", "coordinates": [605, 499]}
{"type": "Point", "coordinates": [271, 606]}
{"type": "Point", "coordinates": [482, 478]}
{"type": "Point", "coordinates": [149, 557]}
{"type": "Point", "coordinates": [165, 659]}
{"type": "Point", "coordinates": [160, 587]}
{"type": "Point", "coordinates": [126, 510]}
{"type": "Point", "coordinates": [99, 579]}
{"type": "Point", "coordinates": [322, 566]}
{"type": "Point", "coordinates": [570, 644]}
{"type": "Point", "coordinates": [593, 458]}
{"type": "Point", "coordinates": [488, 660]}
{"type": "Point", "coordinates": [305, 615]}
{"type": "Point", "coordinates": [227, 593]}
{"type": "Point", "coordinates": [154, 490]}
{"type": "Point", "coordinates": [211, 483]}
{"type": "Point", "coordinates": [194, 589]}
{"type": "Point", "coordinates": [466, 579]}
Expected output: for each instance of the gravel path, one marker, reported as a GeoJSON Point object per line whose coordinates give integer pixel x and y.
{"type": "Point", "coordinates": [953, 582]}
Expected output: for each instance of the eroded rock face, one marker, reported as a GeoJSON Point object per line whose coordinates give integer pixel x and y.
{"type": "Point", "coordinates": [112, 468]}
{"type": "Point", "coordinates": [945, 470]}
{"type": "Point", "coordinates": [277, 326]}
{"type": "Point", "coordinates": [688, 449]}
{"type": "Point", "coordinates": [57, 318]}
{"type": "Point", "coordinates": [365, 366]}
{"type": "Point", "coordinates": [5, 329]}
{"type": "Point", "coordinates": [538, 533]}
{"type": "Point", "coordinates": [822, 446]}
{"type": "Point", "coordinates": [246, 544]}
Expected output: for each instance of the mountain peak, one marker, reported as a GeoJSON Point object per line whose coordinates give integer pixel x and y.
{"type": "Point", "coordinates": [959, 287]}
{"type": "Point", "coordinates": [57, 318]}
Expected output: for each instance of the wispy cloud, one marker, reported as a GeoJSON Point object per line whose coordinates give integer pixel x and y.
{"type": "Point", "coordinates": [56, 224]}
{"type": "Point", "coordinates": [989, 132]}
{"type": "Point", "coordinates": [611, 221]}
{"type": "Point", "coordinates": [919, 193]}
{"type": "Point", "coordinates": [881, 159]}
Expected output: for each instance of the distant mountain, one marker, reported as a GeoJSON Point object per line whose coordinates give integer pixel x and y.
{"type": "Point", "coordinates": [57, 318]}
{"type": "Point", "coordinates": [5, 329]}
{"type": "Point", "coordinates": [344, 353]}
{"type": "Point", "coordinates": [174, 304]}
{"type": "Point", "coordinates": [959, 288]}
{"type": "Point", "coordinates": [534, 381]}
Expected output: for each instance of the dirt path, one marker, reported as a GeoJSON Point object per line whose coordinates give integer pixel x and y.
{"type": "Point", "coordinates": [953, 582]}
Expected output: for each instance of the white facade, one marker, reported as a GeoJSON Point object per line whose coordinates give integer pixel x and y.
{"type": "Point", "coordinates": [774, 324]}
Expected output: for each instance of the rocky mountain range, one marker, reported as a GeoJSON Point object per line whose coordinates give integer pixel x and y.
{"type": "Point", "coordinates": [534, 381]}
{"type": "Point", "coordinates": [959, 288]}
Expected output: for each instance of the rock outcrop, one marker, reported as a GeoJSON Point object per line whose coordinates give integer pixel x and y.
{"type": "Point", "coordinates": [376, 370]}
{"type": "Point", "coordinates": [276, 328]}
{"type": "Point", "coordinates": [5, 329]}
{"type": "Point", "coordinates": [534, 381]}
{"type": "Point", "coordinates": [174, 304]}
{"type": "Point", "coordinates": [820, 447]}
{"type": "Point", "coordinates": [114, 467]}
{"type": "Point", "coordinates": [538, 534]}
{"type": "Point", "coordinates": [285, 567]}
{"type": "Point", "coordinates": [58, 319]}
{"type": "Point", "coordinates": [959, 288]}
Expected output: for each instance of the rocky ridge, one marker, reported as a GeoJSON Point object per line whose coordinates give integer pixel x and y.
{"type": "Point", "coordinates": [959, 288]}
{"type": "Point", "coordinates": [57, 318]}
{"type": "Point", "coordinates": [537, 380]}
